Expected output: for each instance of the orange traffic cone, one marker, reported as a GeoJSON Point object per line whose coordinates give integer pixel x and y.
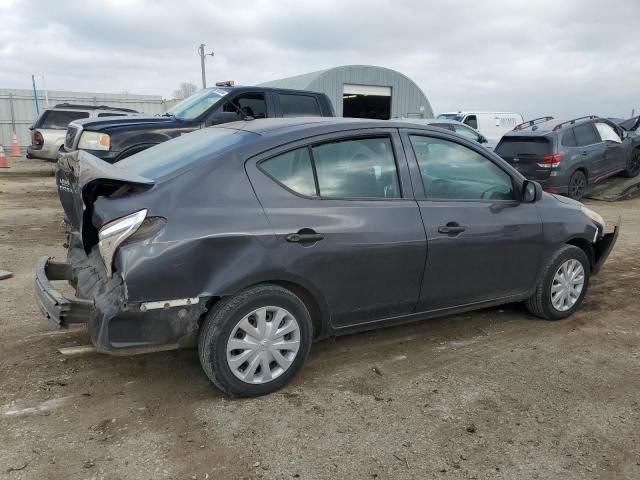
{"type": "Point", "coordinates": [3, 158]}
{"type": "Point", "coordinates": [15, 149]}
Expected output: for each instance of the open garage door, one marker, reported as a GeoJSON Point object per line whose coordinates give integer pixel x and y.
{"type": "Point", "coordinates": [366, 101]}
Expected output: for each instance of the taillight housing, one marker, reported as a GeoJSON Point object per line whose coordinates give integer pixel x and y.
{"type": "Point", "coordinates": [38, 139]}
{"type": "Point", "coordinates": [551, 161]}
{"type": "Point", "coordinates": [114, 233]}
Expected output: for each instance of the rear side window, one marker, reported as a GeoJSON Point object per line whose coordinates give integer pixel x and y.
{"type": "Point", "coordinates": [293, 170]}
{"type": "Point", "coordinates": [358, 168]}
{"type": "Point", "coordinates": [518, 146]}
{"type": "Point", "coordinates": [299, 105]}
{"type": "Point", "coordinates": [59, 119]}
{"type": "Point", "coordinates": [569, 139]}
{"type": "Point", "coordinates": [586, 135]}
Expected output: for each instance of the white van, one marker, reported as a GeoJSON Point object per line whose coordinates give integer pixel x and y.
{"type": "Point", "coordinates": [490, 124]}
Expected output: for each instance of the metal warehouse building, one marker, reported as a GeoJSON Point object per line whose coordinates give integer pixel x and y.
{"type": "Point", "coordinates": [364, 91]}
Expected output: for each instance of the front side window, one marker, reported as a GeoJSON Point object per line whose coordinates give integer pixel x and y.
{"type": "Point", "coordinates": [607, 133]}
{"type": "Point", "coordinates": [357, 168]}
{"type": "Point", "coordinates": [59, 119]}
{"type": "Point", "coordinates": [586, 135]}
{"type": "Point", "coordinates": [299, 105]}
{"type": "Point", "coordinates": [293, 170]}
{"type": "Point", "coordinates": [451, 171]}
{"type": "Point", "coordinates": [472, 121]}
{"type": "Point", "coordinates": [250, 104]}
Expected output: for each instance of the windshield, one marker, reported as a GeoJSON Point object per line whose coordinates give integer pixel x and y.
{"type": "Point", "coordinates": [168, 157]}
{"type": "Point", "coordinates": [192, 107]}
{"type": "Point", "coordinates": [451, 116]}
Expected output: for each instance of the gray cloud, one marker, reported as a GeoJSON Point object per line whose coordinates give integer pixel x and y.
{"type": "Point", "coordinates": [563, 58]}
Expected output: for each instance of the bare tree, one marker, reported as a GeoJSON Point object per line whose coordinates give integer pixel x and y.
{"type": "Point", "coordinates": [185, 90]}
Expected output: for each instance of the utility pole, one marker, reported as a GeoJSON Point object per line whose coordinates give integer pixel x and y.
{"type": "Point", "coordinates": [202, 54]}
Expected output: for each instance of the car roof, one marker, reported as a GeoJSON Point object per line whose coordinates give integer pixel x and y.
{"type": "Point", "coordinates": [430, 121]}
{"type": "Point", "coordinates": [281, 126]}
{"type": "Point", "coordinates": [240, 88]}
{"type": "Point", "coordinates": [551, 126]}
{"type": "Point", "coordinates": [467, 112]}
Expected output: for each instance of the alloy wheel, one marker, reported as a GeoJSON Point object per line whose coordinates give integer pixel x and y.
{"type": "Point", "coordinates": [263, 345]}
{"type": "Point", "coordinates": [577, 186]}
{"type": "Point", "coordinates": [567, 285]}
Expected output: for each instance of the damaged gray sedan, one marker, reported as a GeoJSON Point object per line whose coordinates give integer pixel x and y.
{"type": "Point", "coordinates": [256, 238]}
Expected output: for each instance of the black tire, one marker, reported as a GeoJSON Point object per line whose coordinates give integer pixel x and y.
{"type": "Point", "coordinates": [577, 185]}
{"type": "Point", "coordinates": [220, 323]}
{"type": "Point", "coordinates": [633, 164]}
{"type": "Point", "coordinates": [540, 303]}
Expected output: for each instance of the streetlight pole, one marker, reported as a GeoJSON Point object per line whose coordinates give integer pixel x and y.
{"type": "Point", "coordinates": [202, 54]}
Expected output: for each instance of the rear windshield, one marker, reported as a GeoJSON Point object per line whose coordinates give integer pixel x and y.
{"type": "Point", "coordinates": [59, 119]}
{"type": "Point", "coordinates": [168, 157]}
{"type": "Point", "coordinates": [514, 146]}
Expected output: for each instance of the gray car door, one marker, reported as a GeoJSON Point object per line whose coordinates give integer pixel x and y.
{"type": "Point", "coordinates": [483, 243]}
{"type": "Point", "coordinates": [345, 220]}
{"type": "Point", "coordinates": [591, 151]}
{"type": "Point", "coordinates": [615, 156]}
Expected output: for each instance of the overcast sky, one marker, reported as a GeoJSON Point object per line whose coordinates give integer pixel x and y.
{"type": "Point", "coordinates": [563, 58]}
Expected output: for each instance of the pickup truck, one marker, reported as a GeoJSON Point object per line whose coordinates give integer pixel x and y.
{"type": "Point", "coordinates": [115, 138]}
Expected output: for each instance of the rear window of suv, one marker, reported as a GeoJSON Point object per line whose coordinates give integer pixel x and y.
{"type": "Point", "coordinates": [59, 119]}
{"type": "Point", "coordinates": [514, 146]}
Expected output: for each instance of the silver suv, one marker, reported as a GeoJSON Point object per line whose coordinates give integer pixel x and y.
{"type": "Point", "coordinates": [49, 129]}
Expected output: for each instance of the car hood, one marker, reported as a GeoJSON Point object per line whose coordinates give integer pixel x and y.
{"type": "Point", "coordinates": [111, 123]}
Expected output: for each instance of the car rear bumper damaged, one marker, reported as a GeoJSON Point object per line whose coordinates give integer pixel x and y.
{"type": "Point", "coordinates": [115, 325]}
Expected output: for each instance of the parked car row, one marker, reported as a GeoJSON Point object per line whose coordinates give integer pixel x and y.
{"type": "Point", "coordinates": [257, 237]}
{"type": "Point", "coordinates": [568, 157]}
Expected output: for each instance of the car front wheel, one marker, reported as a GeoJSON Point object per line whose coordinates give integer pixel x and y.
{"type": "Point", "coordinates": [563, 285]}
{"type": "Point", "coordinates": [254, 342]}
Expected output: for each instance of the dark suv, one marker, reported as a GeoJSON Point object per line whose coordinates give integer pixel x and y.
{"type": "Point", "coordinates": [112, 139]}
{"type": "Point", "coordinates": [568, 157]}
{"type": "Point", "coordinates": [256, 238]}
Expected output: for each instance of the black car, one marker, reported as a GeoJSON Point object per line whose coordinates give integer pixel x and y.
{"type": "Point", "coordinates": [256, 238]}
{"type": "Point", "coordinates": [113, 139]}
{"type": "Point", "coordinates": [569, 157]}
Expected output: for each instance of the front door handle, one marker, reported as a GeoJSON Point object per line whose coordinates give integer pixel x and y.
{"type": "Point", "coordinates": [451, 228]}
{"type": "Point", "coordinates": [304, 237]}
{"type": "Point", "coordinates": [585, 153]}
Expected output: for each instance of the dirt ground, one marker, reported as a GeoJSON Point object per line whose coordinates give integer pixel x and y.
{"type": "Point", "coordinates": [492, 394]}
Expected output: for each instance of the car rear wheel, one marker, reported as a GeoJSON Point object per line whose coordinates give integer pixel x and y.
{"type": "Point", "coordinates": [633, 164]}
{"type": "Point", "coordinates": [563, 286]}
{"type": "Point", "coordinates": [577, 185]}
{"type": "Point", "coordinates": [254, 342]}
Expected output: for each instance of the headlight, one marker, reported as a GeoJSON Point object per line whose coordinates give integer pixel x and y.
{"type": "Point", "coordinates": [594, 216]}
{"type": "Point", "coordinates": [94, 141]}
{"type": "Point", "coordinates": [114, 233]}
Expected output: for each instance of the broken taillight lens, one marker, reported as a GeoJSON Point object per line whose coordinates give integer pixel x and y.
{"type": "Point", "coordinates": [114, 233]}
{"type": "Point", "coordinates": [551, 161]}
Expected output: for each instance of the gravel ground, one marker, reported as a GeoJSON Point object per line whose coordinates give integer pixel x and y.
{"type": "Point", "coordinates": [491, 394]}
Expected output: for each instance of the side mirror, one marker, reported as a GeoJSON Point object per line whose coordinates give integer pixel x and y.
{"type": "Point", "coordinates": [222, 117]}
{"type": "Point", "coordinates": [482, 139]}
{"type": "Point", "coordinates": [531, 191]}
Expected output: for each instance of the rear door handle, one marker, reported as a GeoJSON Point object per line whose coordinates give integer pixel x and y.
{"type": "Point", "coordinates": [304, 237]}
{"type": "Point", "coordinates": [451, 228]}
